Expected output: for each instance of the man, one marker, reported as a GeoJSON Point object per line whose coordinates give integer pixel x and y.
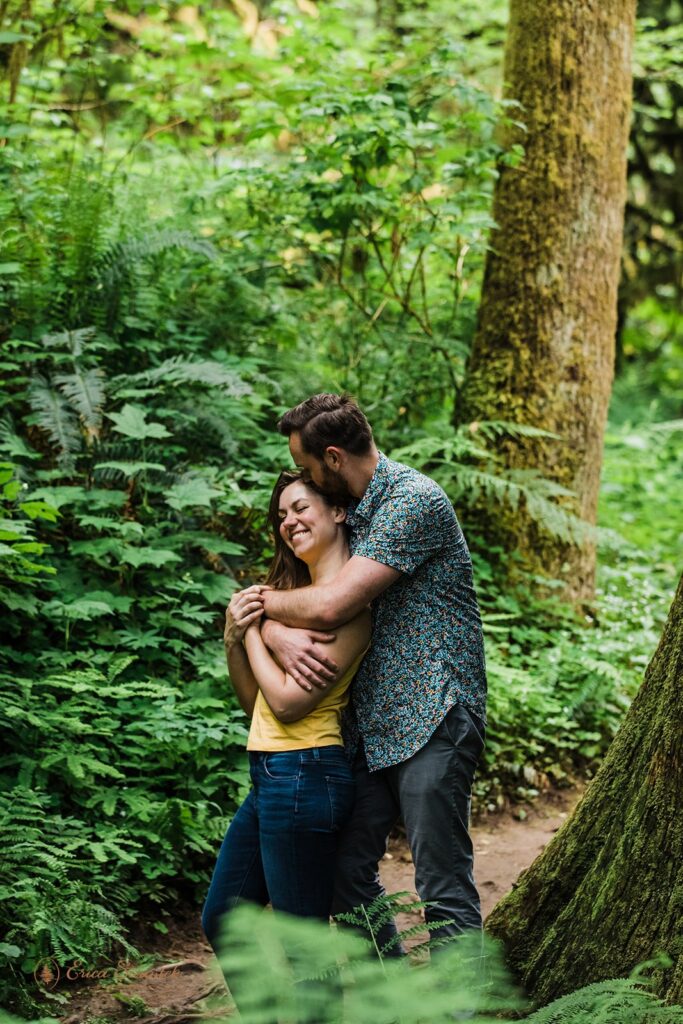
{"type": "Point", "coordinates": [419, 698]}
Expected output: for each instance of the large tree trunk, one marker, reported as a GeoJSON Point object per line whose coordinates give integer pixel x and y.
{"type": "Point", "coordinates": [544, 348]}
{"type": "Point", "coordinates": [607, 893]}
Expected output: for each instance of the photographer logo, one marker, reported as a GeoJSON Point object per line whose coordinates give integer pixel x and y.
{"type": "Point", "coordinates": [47, 973]}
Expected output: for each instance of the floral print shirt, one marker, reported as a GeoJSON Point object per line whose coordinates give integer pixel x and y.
{"type": "Point", "coordinates": [427, 650]}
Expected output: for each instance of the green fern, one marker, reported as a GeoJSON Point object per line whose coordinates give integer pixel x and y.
{"type": "Point", "coordinates": [280, 967]}
{"type": "Point", "coordinates": [456, 463]}
{"type": "Point", "coordinates": [380, 912]}
{"type": "Point", "coordinates": [75, 342]}
{"type": "Point", "coordinates": [54, 415]}
{"type": "Point", "coordinates": [39, 882]}
{"type": "Point", "coordinates": [178, 370]}
{"type": "Point", "coordinates": [620, 1001]}
{"type": "Point", "coordinates": [13, 443]}
{"type": "Point", "coordinates": [289, 968]}
{"type": "Point", "coordinates": [85, 392]}
{"type": "Point", "coordinates": [18, 541]}
{"type": "Point", "coordinates": [505, 428]}
{"type": "Point", "coordinates": [116, 262]}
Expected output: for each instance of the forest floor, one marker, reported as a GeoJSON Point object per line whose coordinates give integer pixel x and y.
{"type": "Point", "coordinates": [179, 979]}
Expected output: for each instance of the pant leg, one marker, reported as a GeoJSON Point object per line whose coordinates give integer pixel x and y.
{"type": "Point", "coordinates": [363, 843]}
{"type": "Point", "coordinates": [435, 787]}
{"type": "Point", "coordinates": [238, 873]}
{"type": "Point", "coordinates": [304, 798]}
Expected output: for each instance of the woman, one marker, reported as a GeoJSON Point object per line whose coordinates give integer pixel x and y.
{"type": "Point", "coordinates": [281, 845]}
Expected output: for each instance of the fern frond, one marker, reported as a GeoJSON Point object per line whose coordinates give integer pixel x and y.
{"type": "Point", "coordinates": [85, 391]}
{"type": "Point", "coordinates": [450, 461]}
{"type": "Point", "coordinates": [178, 370]}
{"type": "Point", "coordinates": [447, 452]}
{"type": "Point", "coordinates": [213, 425]}
{"type": "Point", "coordinates": [75, 341]}
{"type": "Point", "coordinates": [666, 427]}
{"type": "Point", "coordinates": [12, 443]}
{"type": "Point", "coordinates": [624, 1000]}
{"type": "Point", "coordinates": [504, 428]}
{"type": "Point", "coordinates": [51, 412]}
{"type": "Point", "coordinates": [516, 486]}
{"type": "Point", "coordinates": [116, 262]}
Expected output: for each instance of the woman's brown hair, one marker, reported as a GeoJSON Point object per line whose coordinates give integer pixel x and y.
{"type": "Point", "coordinates": [286, 570]}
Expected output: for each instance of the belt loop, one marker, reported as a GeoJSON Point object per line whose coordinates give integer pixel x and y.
{"type": "Point", "coordinates": [316, 753]}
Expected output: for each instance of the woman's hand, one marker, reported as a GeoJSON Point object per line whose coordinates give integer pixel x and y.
{"type": "Point", "coordinates": [245, 608]}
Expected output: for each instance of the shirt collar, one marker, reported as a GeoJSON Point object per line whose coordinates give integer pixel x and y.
{"type": "Point", "coordinates": [374, 492]}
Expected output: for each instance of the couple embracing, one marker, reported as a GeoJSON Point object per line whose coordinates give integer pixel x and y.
{"type": "Point", "coordinates": [371, 583]}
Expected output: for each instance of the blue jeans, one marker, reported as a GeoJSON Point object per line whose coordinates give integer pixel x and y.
{"type": "Point", "coordinates": [281, 845]}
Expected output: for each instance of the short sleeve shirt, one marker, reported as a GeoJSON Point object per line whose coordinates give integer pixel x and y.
{"type": "Point", "coordinates": [427, 650]}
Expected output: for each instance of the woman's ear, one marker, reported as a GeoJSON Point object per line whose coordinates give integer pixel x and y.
{"type": "Point", "coordinates": [339, 514]}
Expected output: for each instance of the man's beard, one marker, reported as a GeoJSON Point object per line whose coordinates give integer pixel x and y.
{"type": "Point", "coordinates": [335, 487]}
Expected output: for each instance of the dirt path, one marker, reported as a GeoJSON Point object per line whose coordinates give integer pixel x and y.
{"type": "Point", "coordinates": [181, 982]}
{"type": "Point", "coordinates": [504, 845]}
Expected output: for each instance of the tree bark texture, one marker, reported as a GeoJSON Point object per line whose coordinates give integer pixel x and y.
{"type": "Point", "coordinates": [607, 893]}
{"type": "Point", "coordinates": [544, 347]}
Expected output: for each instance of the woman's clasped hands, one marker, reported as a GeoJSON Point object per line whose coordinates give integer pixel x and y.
{"type": "Point", "coordinates": [245, 608]}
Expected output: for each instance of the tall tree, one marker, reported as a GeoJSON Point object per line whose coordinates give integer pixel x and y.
{"type": "Point", "coordinates": [544, 347]}
{"type": "Point", "coordinates": [607, 893]}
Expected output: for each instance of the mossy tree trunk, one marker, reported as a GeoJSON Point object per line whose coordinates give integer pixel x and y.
{"type": "Point", "coordinates": [544, 347]}
{"type": "Point", "coordinates": [607, 893]}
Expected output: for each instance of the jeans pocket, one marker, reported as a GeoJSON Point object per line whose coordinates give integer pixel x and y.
{"type": "Point", "coordinates": [342, 794]}
{"type": "Point", "coordinates": [284, 766]}
{"type": "Point", "coordinates": [465, 731]}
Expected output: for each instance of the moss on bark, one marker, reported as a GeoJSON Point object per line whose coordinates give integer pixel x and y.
{"type": "Point", "coordinates": [607, 893]}
{"type": "Point", "coordinates": [544, 348]}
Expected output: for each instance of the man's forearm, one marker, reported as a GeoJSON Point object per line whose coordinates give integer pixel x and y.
{"type": "Point", "coordinates": [329, 605]}
{"type": "Point", "coordinates": [306, 607]}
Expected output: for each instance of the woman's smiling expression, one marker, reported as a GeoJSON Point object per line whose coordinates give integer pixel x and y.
{"type": "Point", "coordinates": [308, 525]}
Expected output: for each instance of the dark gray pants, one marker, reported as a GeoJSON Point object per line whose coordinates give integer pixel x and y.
{"type": "Point", "coordinates": [431, 791]}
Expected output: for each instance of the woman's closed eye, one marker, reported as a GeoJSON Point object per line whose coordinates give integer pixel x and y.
{"type": "Point", "coordinates": [299, 508]}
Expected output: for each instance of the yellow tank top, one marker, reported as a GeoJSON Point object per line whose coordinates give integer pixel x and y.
{"type": "Point", "coordinates": [320, 728]}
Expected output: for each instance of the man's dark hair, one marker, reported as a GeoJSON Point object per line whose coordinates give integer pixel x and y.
{"type": "Point", "coordinates": [324, 420]}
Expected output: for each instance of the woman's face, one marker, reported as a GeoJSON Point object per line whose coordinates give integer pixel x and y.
{"type": "Point", "coordinates": [308, 525]}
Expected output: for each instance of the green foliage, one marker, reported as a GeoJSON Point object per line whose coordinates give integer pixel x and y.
{"type": "Point", "coordinates": [644, 470]}
{"type": "Point", "coordinates": [652, 364]}
{"type": "Point", "coordinates": [17, 535]}
{"type": "Point", "coordinates": [86, 814]}
{"type": "Point", "coordinates": [623, 1001]}
{"type": "Point", "coordinates": [467, 471]}
{"type": "Point", "coordinates": [115, 797]}
{"type": "Point", "coordinates": [280, 967]}
{"type": "Point", "coordinates": [652, 242]}
{"type": "Point", "coordinates": [386, 215]}
{"type": "Point", "coordinates": [204, 217]}
{"type": "Point", "coordinates": [371, 919]}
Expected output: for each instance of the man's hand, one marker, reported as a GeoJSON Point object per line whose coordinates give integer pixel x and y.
{"type": "Point", "coordinates": [302, 654]}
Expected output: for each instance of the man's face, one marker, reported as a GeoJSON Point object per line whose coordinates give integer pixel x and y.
{"type": "Point", "coordinates": [316, 470]}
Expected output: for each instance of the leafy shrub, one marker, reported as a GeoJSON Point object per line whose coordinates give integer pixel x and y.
{"type": "Point", "coordinates": [281, 967]}
{"type": "Point", "coordinates": [165, 295]}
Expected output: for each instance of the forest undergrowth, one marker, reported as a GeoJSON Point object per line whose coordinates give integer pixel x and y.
{"type": "Point", "coordinates": [139, 450]}
{"type": "Point", "coordinates": [166, 295]}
